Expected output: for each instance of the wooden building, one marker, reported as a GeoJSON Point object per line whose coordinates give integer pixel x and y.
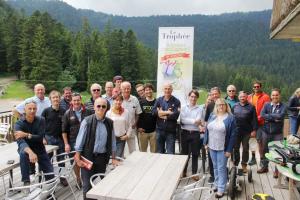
{"type": "Point", "coordinates": [285, 21]}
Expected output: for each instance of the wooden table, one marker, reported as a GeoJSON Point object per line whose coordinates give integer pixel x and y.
{"type": "Point", "coordinates": [10, 152]}
{"type": "Point", "coordinates": [142, 176]}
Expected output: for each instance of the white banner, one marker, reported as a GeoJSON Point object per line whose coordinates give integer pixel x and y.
{"type": "Point", "coordinates": [175, 60]}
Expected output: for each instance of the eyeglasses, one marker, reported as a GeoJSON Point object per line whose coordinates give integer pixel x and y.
{"type": "Point", "coordinates": [231, 90]}
{"type": "Point", "coordinates": [256, 86]}
{"type": "Point", "coordinates": [96, 90]}
{"type": "Point", "coordinates": [101, 106]}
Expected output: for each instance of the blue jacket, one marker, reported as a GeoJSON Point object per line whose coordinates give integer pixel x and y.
{"type": "Point", "coordinates": [230, 127]}
{"type": "Point", "coordinates": [273, 120]}
{"type": "Point", "coordinates": [169, 125]}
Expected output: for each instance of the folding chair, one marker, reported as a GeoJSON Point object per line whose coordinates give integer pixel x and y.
{"type": "Point", "coordinates": [66, 171]}
{"type": "Point", "coordinates": [4, 130]}
{"type": "Point", "coordinates": [37, 191]}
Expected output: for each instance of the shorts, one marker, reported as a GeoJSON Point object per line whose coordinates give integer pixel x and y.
{"type": "Point", "coordinates": [259, 133]}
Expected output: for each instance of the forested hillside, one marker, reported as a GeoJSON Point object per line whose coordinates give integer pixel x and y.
{"type": "Point", "coordinates": [229, 48]}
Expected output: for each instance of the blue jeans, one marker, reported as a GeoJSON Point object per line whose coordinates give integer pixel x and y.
{"type": "Point", "coordinates": [220, 169]}
{"type": "Point", "coordinates": [61, 147]}
{"type": "Point", "coordinates": [294, 124]}
{"type": "Point", "coordinates": [120, 147]}
{"type": "Point", "coordinates": [165, 142]}
{"type": "Point", "coordinates": [43, 161]}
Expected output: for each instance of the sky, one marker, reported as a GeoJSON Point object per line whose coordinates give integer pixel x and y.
{"type": "Point", "coordinates": [170, 7]}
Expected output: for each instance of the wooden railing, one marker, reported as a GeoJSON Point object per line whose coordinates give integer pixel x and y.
{"type": "Point", "coordinates": [281, 9]}
{"type": "Point", "coordinates": [7, 117]}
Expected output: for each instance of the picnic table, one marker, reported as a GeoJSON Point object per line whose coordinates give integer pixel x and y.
{"type": "Point", "coordinates": [9, 152]}
{"type": "Point", "coordinates": [142, 176]}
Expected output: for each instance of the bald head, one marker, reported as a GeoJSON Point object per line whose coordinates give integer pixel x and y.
{"type": "Point", "coordinates": [126, 89]}
{"type": "Point", "coordinates": [39, 91]}
{"type": "Point", "coordinates": [168, 89]}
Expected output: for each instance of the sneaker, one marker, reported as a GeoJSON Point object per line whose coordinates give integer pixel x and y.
{"type": "Point", "coordinates": [263, 170]}
{"type": "Point", "coordinates": [26, 191]}
{"type": "Point", "coordinates": [211, 180]}
{"type": "Point", "coordinates": [252, 161]}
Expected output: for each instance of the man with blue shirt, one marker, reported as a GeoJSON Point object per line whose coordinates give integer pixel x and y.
{"type": "Point", "coordinates": [29, 133]}
{"type": "Point", "coordinates": [166, 109]}
{"type": "Point", "coordinates": [42, 102]}
{"type": "Point", "coordinates": [96, 142]}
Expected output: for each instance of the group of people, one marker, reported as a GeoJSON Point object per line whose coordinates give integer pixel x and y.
{"type": "Point", "coordinates": [99, 129]}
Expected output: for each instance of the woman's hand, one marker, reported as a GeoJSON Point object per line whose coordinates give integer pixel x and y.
{"type": "Point", "coordinates": [124, 137]}
{"type": "Point", "coordinates": [227, 154]}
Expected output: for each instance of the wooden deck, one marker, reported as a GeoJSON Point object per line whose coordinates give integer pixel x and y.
{"type": "Point", "coordinates": [261, 184]}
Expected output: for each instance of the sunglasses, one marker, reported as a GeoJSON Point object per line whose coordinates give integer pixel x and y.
{"type": "Point", "coordinates": [101, 106]}
{"type": "Point", "coordinates": [256, 86]}
{"type": "Point", "coordinates": [231, 90]}
{"type": "Point", "coordinates": [96, 90]}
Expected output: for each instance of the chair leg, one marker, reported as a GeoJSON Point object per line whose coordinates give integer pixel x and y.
{"type": "Point", "coordinates": [4, 183]}
{"type": "Point", "coordinates": [71, 189]}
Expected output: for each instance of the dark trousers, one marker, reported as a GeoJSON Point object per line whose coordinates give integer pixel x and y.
{"type": "Point", "coordinates": [211, 166]}
{"type": "Point", "coordinates": [266, 138]}
{"type": "Point", "coordinates": [61, 147]}
{"type": "Point", "coordinates": [43, 161]}
{"type": "Point", "coordinates": [165, 142]}
{"type": "Point", "coordinates": [191, 144]}
{"type": "Point", "coordinates": [99, 166]}
{"type": "Point", "coordinates": [244, 139]}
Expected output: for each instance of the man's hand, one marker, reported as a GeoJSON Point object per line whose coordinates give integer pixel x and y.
{"type": "Point", "coordinates": [141, 130]}
{"type": "Point", "coordinates": [253, 134]}
{"type": "Point", "coordinates": [227, 154]}
{"type": "Point", "coordinates": [32, 157]}
{"type": "Point", "coordinates": [45, 141]}
{"type": "Point", "coordinates": [67, 148]}
{"type": "Point", "coordinates": [202, 129]}
{"type": "Point", "coordinates": [115, 162]}
{"type": "Point", "coordinates": [77, 160]}
{"type": "Point", "coordinates": [124, 137]}
{"type": "Point", "coordinates": [20, 135]}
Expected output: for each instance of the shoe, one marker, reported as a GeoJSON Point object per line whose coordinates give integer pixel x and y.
{"type": "Point", "coordinates": [64, 182]}
{"type": "Point", "coordinates": [195, 178]}
{"type": "Point", "coordinates": [211, 180]}
{"type": "Point", "coordinates": [244, 168]}
{"type": "Point", "coordinates": [215, 189]}
{"type": "Point", "coordinates": [252, 161]}
{"type": "Point", "coordinates": [219, 195]}
{"type": "Point", "coordinates": [25, 192]}
{"type": "Point", "coordinates": [275, 174]}
{"type": "Point", "coordinates": [263, 170]}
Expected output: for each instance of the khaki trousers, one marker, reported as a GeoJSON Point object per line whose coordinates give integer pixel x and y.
{"type": "Point", "coordinates": [147, 138]}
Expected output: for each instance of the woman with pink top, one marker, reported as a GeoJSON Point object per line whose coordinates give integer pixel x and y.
{"type": "Point", "coordinates": [122, 125]}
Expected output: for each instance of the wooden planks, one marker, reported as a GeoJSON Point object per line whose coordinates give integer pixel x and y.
{"type": "Point", "coordinates": [142, 176]}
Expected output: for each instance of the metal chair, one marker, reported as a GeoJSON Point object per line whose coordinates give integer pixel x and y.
{"type": "Point", "coordinates": [4, 130]}
{"type": "Point", "coordinates": [41, 190]}
{"type": "Point", "coordinates": [186, 192]}
{"type": "Point", "coordinates": [96, 178]}
{"type": "Point", "coordinates": [65, 171]}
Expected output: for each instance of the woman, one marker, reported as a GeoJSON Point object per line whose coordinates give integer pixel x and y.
{"type": "Point", "coordinates": [190, 120]}
{"type": "Point", "coordinates": [293, 111]}
{"type": "Point", "coordinates": [220, 138]}
{"type": "Point", "coordinates": [122, 124]}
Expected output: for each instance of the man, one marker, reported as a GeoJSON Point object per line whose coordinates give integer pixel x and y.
{"type": "Point", "coordinates": [132, 104]}
{"type": "Point", "coordinates": [147, 122]}
{"type": "Point", "coordinates": [96, 142]}
{"type": "Point", "coordinates": [117, 80]}
{"type": "Point", "coordinates": [231, 97]}
{"type": "Point", "coordinates": [95, 90]}
{"type": "Point", "coordinates": [273, 113]}
{"type": "Point", "coordinates": [140, 91]}
{"type": "Point", "coordinates": [215, 93]}
{"type": "Point", "coordinates": [42, 102]}
{"type": "Point", "coordinates": [66, 99]}
{"type": "Point", "coordinates": [71, 124]}
{"type": "Point", "coordinates": [29, 133]}
{"type": "Point", "coordinates": [258, 99]}
{"type": "Point", "coordinates": [108, 92]}
{"type": "Point", "coordinates": [53, 119]}
{"type": "Point", "coordinates": [166, 109]}
{"type": "Point", "coordinates": [246, 122]}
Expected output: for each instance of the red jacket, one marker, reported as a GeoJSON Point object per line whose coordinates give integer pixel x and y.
{"type": "Point", "coordinates": [262, 99]}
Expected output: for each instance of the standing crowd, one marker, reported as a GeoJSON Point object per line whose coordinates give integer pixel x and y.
{"type": "Point", "coordinates": [100, 129]}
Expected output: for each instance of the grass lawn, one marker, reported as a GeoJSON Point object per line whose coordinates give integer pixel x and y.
{"type": "Point", "coordinates": [17, 90]}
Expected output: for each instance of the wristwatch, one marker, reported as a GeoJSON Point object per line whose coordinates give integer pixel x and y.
{"type": "Point", "coordinates": [29, 136]}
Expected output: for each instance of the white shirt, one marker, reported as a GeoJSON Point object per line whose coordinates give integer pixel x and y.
{"type": "Point", "coordinates": [217, 133]}
{"type": "Point", "coordinates": [133, 107]}
{"type": "Point", "coordinates": [188, 116]}
{"type": "Point", "coordinates": [121, 123]}
{"type": "Point", "coordinates": [41, 105]}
